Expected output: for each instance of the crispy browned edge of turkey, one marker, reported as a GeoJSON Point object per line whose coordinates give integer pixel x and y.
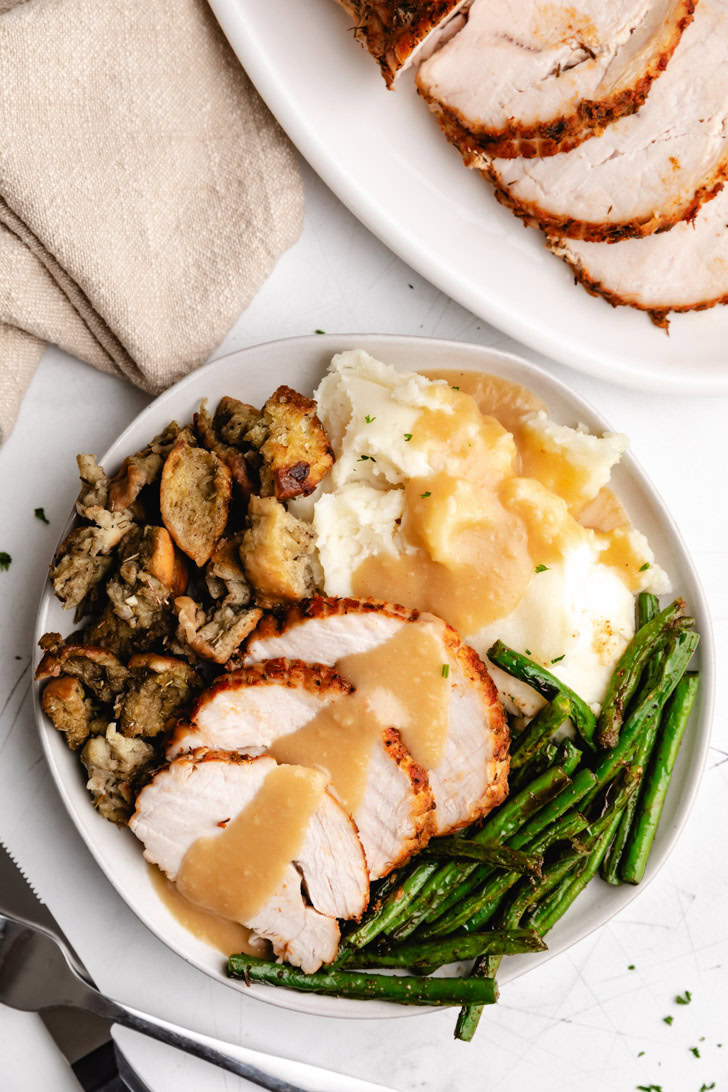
{"type": "Point", "coordinates": [659, 315]}
{"type": "Point", "coordinates": [205, 754]}
{"type": "Point", "coordinates": [273, 625]}
{"type": "Point", "coordinates": [607, 231]}
{"type": "Point", "coordinates": [319, 679]}
{"type": "Point", "coordinates": [568, 131]}
{"type": "Point", "coordinates": [475, 670]}
{"type": "Point", "coordinates": [390, 45]}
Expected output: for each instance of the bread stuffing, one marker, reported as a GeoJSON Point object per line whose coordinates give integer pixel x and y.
{"type": "Point", "coordinates": [172, 562]}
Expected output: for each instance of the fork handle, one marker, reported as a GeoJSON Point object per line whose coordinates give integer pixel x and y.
{"type": "Point", "coordinates": [280, 1074]}
{"type": "Point", "coordinates": [189, 1042]}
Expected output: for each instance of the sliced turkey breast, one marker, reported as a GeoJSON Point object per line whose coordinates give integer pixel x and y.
{"type": "Point", "coordinates": [646, 172]}
{"type": "Point", "coordinates": [685, 269]}
{"type": "Point", "coordinates": [471, 777]}
{"type": "Point", "coordinates": [198, 794]}
{"type": "Point", "coordinates": [534, 79]}
{"type": "Point", "coordinates": [248, 710]}
{"type": "Point", "coordinates": [395, 33]}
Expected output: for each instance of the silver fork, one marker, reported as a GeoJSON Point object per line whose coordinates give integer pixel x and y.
{"type": "Point", "coordinates": [37, 973]}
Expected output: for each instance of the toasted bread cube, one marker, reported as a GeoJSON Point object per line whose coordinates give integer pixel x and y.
{"type": "Point", "coordinates": [295, 450]}
{"type": "Point", "coordinates": [157, 690]}
{"type": "Point", "coordinates": [64, 701]}
{"type": "Point", "coordinates": [277, 553]}
{"type": "Point", "coordinates": [194, 499]}
{"type": "Point", "coordinates": [234, 458]}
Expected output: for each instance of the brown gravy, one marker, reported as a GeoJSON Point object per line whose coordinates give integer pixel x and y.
{"type": "Point", "coordinates": [221, 933]}
{"type": "Point", "coordinates": [498, 504]}
{"type": "Point", "coordinates": [235, 872]}
{"type": "Point", "coordinates": [400, 684]}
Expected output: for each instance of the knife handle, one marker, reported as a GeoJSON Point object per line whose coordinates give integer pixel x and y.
{"type": "Point", "coordinates": [106, 1070]}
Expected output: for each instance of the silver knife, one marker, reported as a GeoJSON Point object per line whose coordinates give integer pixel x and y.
{"type": "Point", "coordinates": [83, 1038]}
{"type": "Point", "coordinates": [39, 971]}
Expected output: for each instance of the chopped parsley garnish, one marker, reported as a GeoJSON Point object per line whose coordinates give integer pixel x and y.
{"type": "Point", "coordinates": [541, 569]}
{"type": "Point", "coordinates": [695, 1051]}
{"type": "Point", "coordinates": [363, 458]}
{"type": "Point", "coordinates": [5, 560]}
{"type": "Point", "coordinates": [558, 659]}
{"type": "Point", "coordinates": [631, 967]}
{"type": "Point", "coordinates": [445, 670]}
{"type": "Point", "coordinates": [407, 437]}
{"type": "Point", "coordinates": [455, 388]}
{"type": "Point", "coordinates": [528, 651]}
{"type": "Point", "coordinates": [427, 494]}
{"type": "Point", "coordinates": [319, 331]}
{"type": "Point", "coordinates": [645, 567]}
{"type": "Point", "coordinates": [369, 419]}
{"type": "Point", "coordinates": [685, 999]}
{"type": "Point", "coordinates": [649, 1087]}
{"type": "Point", "coordinates": [40, 514]}
{"type": "Point", "coordinates": [641, 1054]}
{"type": "Point", "coordinates": [707, 1087]}
{"type": "Point", "coordinates": [667, 1019]}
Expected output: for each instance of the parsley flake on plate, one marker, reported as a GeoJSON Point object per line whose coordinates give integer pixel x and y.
{"type": "Point", "coordinates": [40, 514]}
{"type": "Point", "coordinates": [5, 560]}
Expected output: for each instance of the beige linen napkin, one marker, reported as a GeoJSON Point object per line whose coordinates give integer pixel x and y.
{"type": "Point", "coordinates": [145, 190]}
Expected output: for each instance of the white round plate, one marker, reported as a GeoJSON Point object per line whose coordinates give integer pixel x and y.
{"type": "Point", "coordinates": [251, 375]}
{"type": "Point", "coordinates": [383, 155]}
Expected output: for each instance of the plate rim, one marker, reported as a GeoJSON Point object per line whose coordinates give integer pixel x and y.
{"type": "Point", "coordinates": [231, 16]}
{"type": "Point", "coordinates": [376, 343]}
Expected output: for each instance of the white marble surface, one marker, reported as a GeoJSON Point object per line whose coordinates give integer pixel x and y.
{"type": "Point", "coordinates": [585, 1021]}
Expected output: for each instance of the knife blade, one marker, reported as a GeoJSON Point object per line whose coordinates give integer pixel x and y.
{"type": "Point", "coordinates": [83, 1038]}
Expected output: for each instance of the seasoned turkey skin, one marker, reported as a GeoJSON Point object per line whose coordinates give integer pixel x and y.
{"type": "Point", "coordinates": [685, 269]}
{"type": "Point", "coordinates": [191, 797]}
{"type": "Point", "coordinates": [472, 777]}
{"type": "Point", "coordinates": [393, 31]}
{"type": "Point", "coordinates": [249, 709]}
{"type": "Point", "coordinates": [537, 79]}
{"type": "Point", "coordinates": [644, 173]}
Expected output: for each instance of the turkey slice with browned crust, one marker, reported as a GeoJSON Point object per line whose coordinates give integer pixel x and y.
{"type": "Point", "coordinates": [250, 709]}
{"type": "Point", "coordinates": [535, 79]}
{"type": "Point", "coordinates": [646, 172]}
{"type": "Point", "coordinates": [471, 777]}
{"type": "Point", "coordinates": [198, 794]}
{"type": "Point", "coordinates": [394, 33]}
{"type": "Point", "coordinates": [685, 269]}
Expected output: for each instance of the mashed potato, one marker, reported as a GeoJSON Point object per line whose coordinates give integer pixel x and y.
{"type": "Point", "coordinates": [438, 505]}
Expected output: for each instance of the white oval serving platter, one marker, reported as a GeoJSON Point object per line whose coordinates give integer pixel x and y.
{"type": "Point", "coordinates": [383, 155]}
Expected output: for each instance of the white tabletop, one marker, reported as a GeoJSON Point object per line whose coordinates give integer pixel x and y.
{"type": "Point", "coordinates": [585, 1021]}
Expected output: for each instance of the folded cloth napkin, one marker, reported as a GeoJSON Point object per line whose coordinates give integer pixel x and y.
{"type": "Point", "coordinates": [145, 190]}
